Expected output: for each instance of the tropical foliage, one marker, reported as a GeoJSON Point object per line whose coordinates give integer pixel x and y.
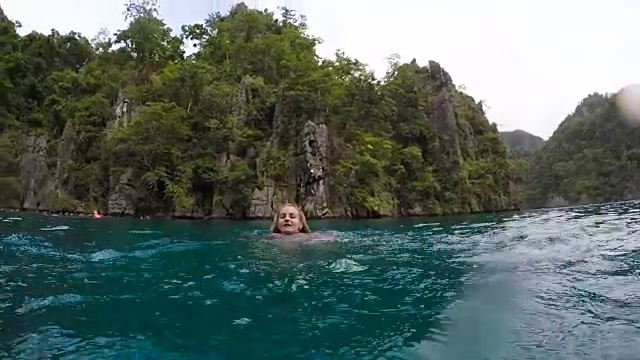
{"type": "Point", "coordinates": [204, 128]}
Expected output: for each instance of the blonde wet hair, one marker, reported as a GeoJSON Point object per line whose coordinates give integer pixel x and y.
{"type": "Point", "coordinates": [303, 219]}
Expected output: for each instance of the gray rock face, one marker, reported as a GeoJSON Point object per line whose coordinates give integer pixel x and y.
{"type": "Point", "coordinates": [265, 201]}
{"type": "Point", "coordinates": [44, 171]}
{"type": "Point", "coordinates": [122, 193]}
{"type": "Point", "coordinates": [444, 122]}
{"type": "Point", "coordinates": [310, 169]}
{"type": "Point", "coordinates": [439, 75]}
{"type": "Point", "coordinates": [440, 114]}
{"type": "Point", "coordinates": [123, 111]}
{"type": "Point", "coordinates": [39, 185]}
{"type": "Point", "coordinates": [66, 148]}
{"type": "Point", "coordinates": [122, 196]}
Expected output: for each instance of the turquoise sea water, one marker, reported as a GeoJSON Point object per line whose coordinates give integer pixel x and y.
{"type": "Point", "coordinates": [560, 284]}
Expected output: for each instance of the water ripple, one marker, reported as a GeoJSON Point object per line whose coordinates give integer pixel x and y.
{"type": "Point", "coordinates": [561, 283]}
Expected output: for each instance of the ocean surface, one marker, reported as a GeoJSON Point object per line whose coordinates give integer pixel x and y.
{"type": "Point", "coordinates": [556, 284]}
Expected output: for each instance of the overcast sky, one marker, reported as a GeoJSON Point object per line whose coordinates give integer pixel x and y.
{"type": "Point", "coordinates": [530, 61]}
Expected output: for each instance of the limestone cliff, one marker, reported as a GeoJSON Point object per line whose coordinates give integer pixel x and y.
{"type": "Point", "coordinates": [251, 120]}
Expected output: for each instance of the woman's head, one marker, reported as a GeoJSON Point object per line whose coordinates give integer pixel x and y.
{"type": "Point", "coordinates": [289, 220]}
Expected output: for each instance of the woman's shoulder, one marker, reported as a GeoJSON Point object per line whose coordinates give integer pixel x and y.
{"type": "Point", "coordinates": [305, 236]}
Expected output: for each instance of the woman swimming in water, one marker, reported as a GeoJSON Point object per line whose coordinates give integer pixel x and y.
{"type": "Point", "coordinates": [290, 223]}
{"type": "Point", "coordinates": [289, 220]}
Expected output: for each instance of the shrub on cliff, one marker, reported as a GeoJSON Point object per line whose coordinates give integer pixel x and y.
{"type": "Point", "coordinates": [132, 124]}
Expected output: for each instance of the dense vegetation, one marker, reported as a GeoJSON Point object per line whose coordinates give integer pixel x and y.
{"type": "Point", "coordinates": [521, 143]}
{"type": "Point", "coordinates": [522, 146]}
{"type": "Point", "coordinates": [593, 156]}
{"type": "Point", "coordinates": [132, 124]}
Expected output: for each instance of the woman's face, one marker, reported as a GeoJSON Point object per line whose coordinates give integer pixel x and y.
{"type": "Point", "coordinates": [289, 220]}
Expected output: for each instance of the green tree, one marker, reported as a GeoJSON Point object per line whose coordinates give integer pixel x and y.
{"type": "Point", "coordinates": [128, 118]}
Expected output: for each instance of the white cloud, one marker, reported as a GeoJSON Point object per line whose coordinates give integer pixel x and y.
{"type": "Point", "coordinates": [86, 17]}
{"type": "Point", "coordinates": [532, 61]}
